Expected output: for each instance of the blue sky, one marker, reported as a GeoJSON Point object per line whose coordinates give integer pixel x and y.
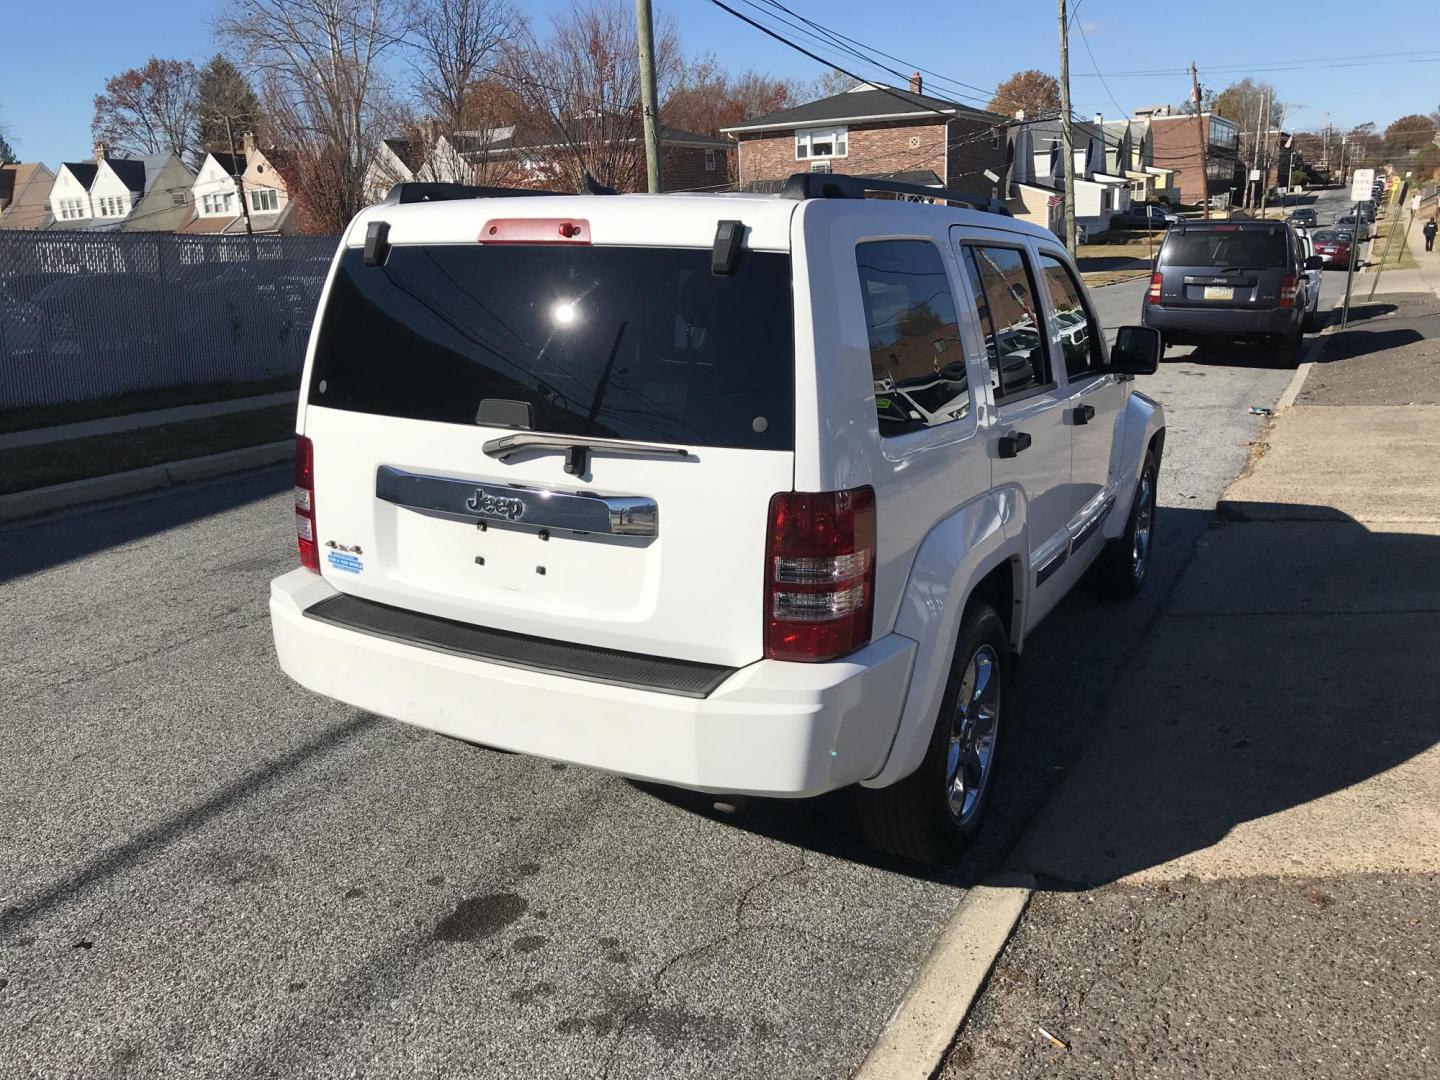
{"type": "Point", "coordinates": [49, 74]}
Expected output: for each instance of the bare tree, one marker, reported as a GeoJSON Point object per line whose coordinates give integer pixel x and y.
{"type": "Point", "coordinates": [581, 88]}
{"type": "Point", "coordinates": [457, 47]}
{"type": "Point", "coordinates": [148, 110]}
{"type": "Point", "coordinates": [319, 62]}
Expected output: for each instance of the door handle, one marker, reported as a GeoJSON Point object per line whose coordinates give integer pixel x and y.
{"type": "Point", "coordinates": [1084, 413]}
{"type": "Point", "coordinates": [1014, 443]}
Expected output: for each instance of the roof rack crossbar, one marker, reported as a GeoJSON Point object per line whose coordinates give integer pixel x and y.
{"type": "Point", "coordinates": [811, 185]}
{"type": "Point", "coordinates": [418, 191]}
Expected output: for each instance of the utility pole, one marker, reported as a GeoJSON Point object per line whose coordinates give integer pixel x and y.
{"type": "Point", "coordinates": [1067, 142]}
{"type": "Point", "coordinates": [239, 178]}
{"type": "Point", "coordinates": [1265, 150]}
{"type": "Point", "coordinates": [1204, 149]}
{"type": "Point", "coordinates": [645, 31]}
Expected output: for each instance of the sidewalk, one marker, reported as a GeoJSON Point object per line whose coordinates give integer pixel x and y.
{"type": "Point", "coordinates": [1241, 877]}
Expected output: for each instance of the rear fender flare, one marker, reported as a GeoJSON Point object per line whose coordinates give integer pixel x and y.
{"type": "Point", "coordinates": [1143, 421]}
{"type": "Point", "coordinates": [958, 552]}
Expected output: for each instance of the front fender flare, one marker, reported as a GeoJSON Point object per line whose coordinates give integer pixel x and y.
{"type": "Point", "coordinates": [1143, 421]}
{"type": "Point", "coordinates": [959, 551]}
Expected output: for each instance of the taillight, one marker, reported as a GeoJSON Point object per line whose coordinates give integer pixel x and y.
{"type": "Point", "coordinates": [819, 574]}
{"type": "Point", "coordinates": [305, 504]}
{"type": "Point", "coordinates": [1289, 286]}
{"type": "Point", "coordinates": [1152, 295]}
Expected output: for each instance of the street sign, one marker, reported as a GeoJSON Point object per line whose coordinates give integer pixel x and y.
{"type": "Point", "coordinates": [1254, 174]}
{"type": "Point", "coordinates": [1415, 204]}
{"type": "Point", "coordinates": [1362, 185]}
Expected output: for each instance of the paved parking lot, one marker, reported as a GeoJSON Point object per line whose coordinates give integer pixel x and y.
{"type": "Point", "coordinates": [207, 871]}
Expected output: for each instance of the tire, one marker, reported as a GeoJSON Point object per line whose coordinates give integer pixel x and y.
{"type": "Point", "coordinates": [931, 815]}
{"type": "Point", "coordinates": [1123, 565]}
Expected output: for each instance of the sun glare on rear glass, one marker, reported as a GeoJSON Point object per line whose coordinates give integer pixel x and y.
{"type": "Point", "coordinates": [564, 313]}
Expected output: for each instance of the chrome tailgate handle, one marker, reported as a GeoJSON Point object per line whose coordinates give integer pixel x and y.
{"type": "Point", "coordinates": [466, 500]}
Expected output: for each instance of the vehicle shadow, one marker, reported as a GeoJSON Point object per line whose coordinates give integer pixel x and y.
{"type": "Point", "coordinates": [35, 544]}
{"type": "Point", "coordinates": [1237, 354]}
{"type": "Point", "coordinates": [1229, 691]}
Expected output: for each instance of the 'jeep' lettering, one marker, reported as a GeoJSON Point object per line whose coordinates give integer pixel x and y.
{"type": "Point", "coordinates": [495, 506]}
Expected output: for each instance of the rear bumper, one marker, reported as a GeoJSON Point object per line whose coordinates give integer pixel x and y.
{"type": "Point", "coordinates": [1236, 322]}
{"type": "Point", "coordinates": [771, 728]}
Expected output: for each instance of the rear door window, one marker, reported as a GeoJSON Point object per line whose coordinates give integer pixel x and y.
{"type": "Point", "coordinates": [1224, 246]}
{"type": "Point", "coordinates": [1015, 345]}
{"type": "Point", "coordinates": [917, 361]}
{"type": "Point", "coordinates": [613, 342]}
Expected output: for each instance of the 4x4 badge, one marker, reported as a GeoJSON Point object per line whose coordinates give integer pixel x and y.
{"type": "Point", "coordinates": [487, 504]}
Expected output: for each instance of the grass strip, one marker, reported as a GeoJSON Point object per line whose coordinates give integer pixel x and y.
{"type": "Point", "coordinates": [28, 467]}
{"type": "Point", "coordinates": [141, 401]}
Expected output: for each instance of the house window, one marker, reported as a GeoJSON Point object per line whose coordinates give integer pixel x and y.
{"type": "Point", "coordinates": [178, 198]}
{"type": "Point", "coordinates": [995, 138]}
{"type": "Point", "coordinates": [821, 143]}
{"type": "Point", "coordinates": [264, 199]}
{"type": "Point", "coordinates": [1105, 200]}
{"type": "Point", "coordinates": [712, 160]}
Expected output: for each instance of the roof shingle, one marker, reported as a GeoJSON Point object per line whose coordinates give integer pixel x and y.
{"type": "Point", "coordinates": [859, 105]}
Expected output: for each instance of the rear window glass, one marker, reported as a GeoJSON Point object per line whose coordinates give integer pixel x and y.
{"type": "Point", "coordinates": [622, 343]}
{"type": "Point", "coordinates": [1252, 248]}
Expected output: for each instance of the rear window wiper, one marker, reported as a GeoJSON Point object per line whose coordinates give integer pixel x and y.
{"type": "Point", "coordinates": [578, 449]}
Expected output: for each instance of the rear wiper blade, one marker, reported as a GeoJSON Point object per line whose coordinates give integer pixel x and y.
{"type": "Point", "coordinates": [577, 448]}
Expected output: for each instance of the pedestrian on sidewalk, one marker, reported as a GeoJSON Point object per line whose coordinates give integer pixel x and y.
{"type": "Point", "coordinates": [1429, 232]}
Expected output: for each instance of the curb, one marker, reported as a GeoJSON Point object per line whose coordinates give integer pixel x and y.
{"type": "Point", "coordinates": [23, 504]}
{"type": "Point", "coordinates": [913, 1044]}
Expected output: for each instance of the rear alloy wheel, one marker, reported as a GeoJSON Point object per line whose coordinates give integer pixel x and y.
{"type": "Point", "coordinates": [929, 816]}
{"type": "Point", "coordinates": [1123, 564]}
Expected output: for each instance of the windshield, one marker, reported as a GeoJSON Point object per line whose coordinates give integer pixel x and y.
{"type": "Point", "coordinates": [619, 343]}
{"type": "Point", "coordinates": [1249, 248]}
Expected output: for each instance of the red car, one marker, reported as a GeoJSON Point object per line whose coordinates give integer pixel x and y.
{"type": "Point", "coordinates": [1333, 246]}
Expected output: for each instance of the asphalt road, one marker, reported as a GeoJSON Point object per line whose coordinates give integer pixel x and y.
{"type": "Point", "coordinates": [206, 871]}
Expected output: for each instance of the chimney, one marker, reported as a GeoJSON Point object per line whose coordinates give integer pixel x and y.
{"type": "Point", "coordinates": [247, 144]}
{"type": "Point", "coordinates": [102, 151]}
{"type": "Point", "coordinates": [1099, 119]}
{"type": "Point", "coordinates": [916, 83]}
{"type": "Point", "coordinates": [427, 131]}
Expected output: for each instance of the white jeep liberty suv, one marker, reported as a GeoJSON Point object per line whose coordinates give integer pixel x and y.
{"type": "Point", "coordinates": [747, 494]}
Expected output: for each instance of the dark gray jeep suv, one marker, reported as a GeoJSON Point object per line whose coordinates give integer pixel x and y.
{"type": "Point", "coordinates": [1218, 280]}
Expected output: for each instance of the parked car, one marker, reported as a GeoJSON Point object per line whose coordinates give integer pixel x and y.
{"type": "Point", "coordinates": [1314, 277]}
{"type": "Point", "coordinates": [1333, 246]}
{"type": "Point", "coordinates": [1235, 279]}
{"type": "Point", "coordinates": [1304, 217]}
{"type": "Point", "coordinates": [1145, 216]}
{"type": "Point", "coordinates": [610, 486]}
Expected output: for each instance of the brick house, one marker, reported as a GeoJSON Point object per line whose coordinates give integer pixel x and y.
{"type": "Point", "coordinates": [1175, 146]}
{"type": "Point", "coordinates": [877, 132]}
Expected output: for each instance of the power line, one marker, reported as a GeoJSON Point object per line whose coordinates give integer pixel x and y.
{"type": "Point", "coordinates": [1085, 38]}
{"type": "Point", "coordinates": [842, 37]}
{"type": "Point", "coordinates": [908, 99]}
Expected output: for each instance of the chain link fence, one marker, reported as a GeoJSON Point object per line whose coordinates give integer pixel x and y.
{"type": "Point", "coordinates": [85, 315]}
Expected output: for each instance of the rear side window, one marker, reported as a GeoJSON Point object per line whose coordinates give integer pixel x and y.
{"type": "Point", "coordinates": [622, 343]}
{"type": "Point", "coordinates": [1014, 343]}
{"type": "Point", "coordinates": [917, 361]}
{"type": "Point", "coordinates": [1078, 331]}
{"type": "Point", "coordinates": [1226, 246]}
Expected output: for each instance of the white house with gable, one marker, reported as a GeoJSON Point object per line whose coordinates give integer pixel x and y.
{"type": "Point", "coordinates": [96, 194]}
{"type": "Point", "coordinates": [214, 193]}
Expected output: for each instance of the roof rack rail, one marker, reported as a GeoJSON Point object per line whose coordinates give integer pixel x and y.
{"type": "Point", "coordinates": [811, 185]}
{"type": "Point", "coordinates": [413, 192]}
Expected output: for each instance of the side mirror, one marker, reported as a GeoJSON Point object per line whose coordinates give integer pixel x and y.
{"type": "Point", "coordinates": [1314, 262]}
{"type": "Point", "coordinates": [1136, 351]}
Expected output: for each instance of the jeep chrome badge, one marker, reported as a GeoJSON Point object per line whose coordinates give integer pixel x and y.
{"type": "Point", "coordinates": [488, 504]}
